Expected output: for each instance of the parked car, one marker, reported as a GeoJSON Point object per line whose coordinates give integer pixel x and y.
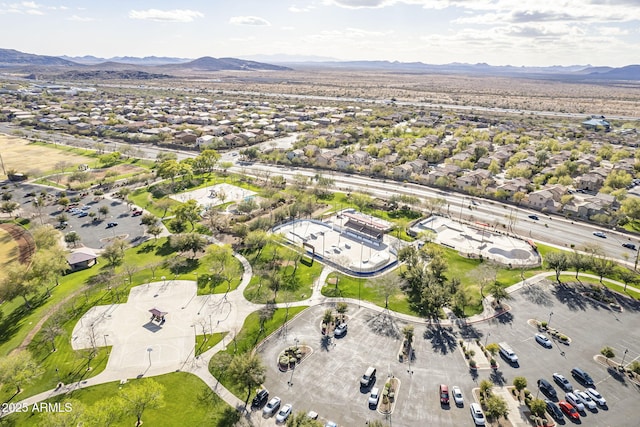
{"type": "Point", "coordinates": [553, 409]}
{"type": "Point", "coordinates": [82, 214]}
{"type": "Point", "coordinates": [586, 400]}
{"type": "Point", "coordinates": [596, 396]}
{"type": "Point", "coordinates": [569, 410]}
{"type": "Point", "coordinates": [543, 340]}
{"type": "Point", "coordinates": [136, 213]}
{"type": "Point", "coordinates": [546, 387]}
{"type": "Point", "coordinates": [562, 382]}
{"type": "Point", "coordinates": [284, 413]}
{"type": "Point", "coordinates": [374, 397]}
{"type": "Point", "coordinates": [260, 399]}
{"type": "Point", "coordinates": [312, 415]}
{"type": "Point", "coordinates": [477, 414]}
{"type": "Point", "coordinates": [575, 401]}
{"type": "Point", "coordinates": [369, 377]}
{"type": "Point", "coordinates": [444, 394]}
{"type": "Point", "coordinates": [600, 234]}
{"type": "Point", "coordinates": [582, 376]}
{"type": "Point", "coordinates": [271, 407]}
{"type": "Point", "coordinates": [629, 246]}
{"type": "Point", "coordinates": [457, 396]}
{"type": "Point", "coordinates": [330, 424]}
{"type": "Point", "coordinates": [534, 217]}
{"type": "Point", "coordinates": [507, 352]}
{"type": "Point", "coordinates": [112, 224]}
{"type": "Point", "coordinates": [340, 330]}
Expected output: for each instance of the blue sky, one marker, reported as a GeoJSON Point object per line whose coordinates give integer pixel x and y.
{"type": "Point", "coordinates": [498, 32]}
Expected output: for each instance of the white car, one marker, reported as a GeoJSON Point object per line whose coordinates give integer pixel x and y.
{"type": "Point", "coordinates": [477, 414]}
{"type": "Point", "coordinates": [271, 406]}
{"type": "Point", "coordinates": [543, 340]}
{"type": "Point", "coordinates": [374, 397]}
{"type": "Point", "coordinates": [457, 396]}
{"type": "Point", "coordinates": [574, 401]}
{"type": "Point", "coordinates": [596, 396]}
{"type": "Point", "coordinates": [585, 399]}
{"type": "Point", "coordinates": [284, 413]}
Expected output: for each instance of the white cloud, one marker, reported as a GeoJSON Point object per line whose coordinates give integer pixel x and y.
{"type": "Point", "coordinates": [612, 31]}
{"type": "Point", "coordinates": [77, 18]}
{"type": "Point", "coordinates": [249, 20]}
{"type": "Point", "coordinates": [175, 15]}
{"type": "Point", "coordinates": [298, 9]}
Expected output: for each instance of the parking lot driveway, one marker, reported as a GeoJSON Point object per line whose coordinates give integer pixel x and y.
{"type": "Point", "coordinates": [328, 382]}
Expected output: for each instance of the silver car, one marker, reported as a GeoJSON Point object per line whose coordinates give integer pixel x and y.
{"type": "Point", "coordinates": [271, 407]}
{"type": "Point", "coordinates": [574, 401]}
{"type": "Point", "coordinates": [477, 414]}
{"type": "Point", "coordinates": [374, 397]}
{"type": "Point", "coordinates": [586, 399]}
{"type": "Point", "coordinates": [284, 413]}
{"type": "Point", "coordinates": [596, 396]}
{"type": "Point", "coordinates": [457, 396]}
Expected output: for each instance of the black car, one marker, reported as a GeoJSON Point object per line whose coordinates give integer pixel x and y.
{"type": "Point", "coordinates": [629, 246]}
{"type": "Point", "coordinates": [261, 398]}
{"type": "Point", "coordinates": [554, 410]}
{"type": "Point", "coordinates": [582, 376]}
{"type": "Point", "coordinates": [534, 217]}
{"type": "Point", "coordinates": [111, 224]}
{"type": "Point", "coordinates": [546, 387]}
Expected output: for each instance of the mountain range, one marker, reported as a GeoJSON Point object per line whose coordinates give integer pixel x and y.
{"type": "Point", "coordinates": [153, 65]}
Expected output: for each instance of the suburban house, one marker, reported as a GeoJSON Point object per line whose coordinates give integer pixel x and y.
{"type": "Point", "coordinates": [547, 199]}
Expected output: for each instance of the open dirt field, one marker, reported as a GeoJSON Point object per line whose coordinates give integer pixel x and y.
{"type": "Point", "coordinates": [99, 174]}
{"type": "Point", "coordinates": [35, 160]}
{"type": "Point", "coordinates": [9, 251]}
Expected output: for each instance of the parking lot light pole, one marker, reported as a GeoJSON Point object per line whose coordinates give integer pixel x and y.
{"type": "Point", "coordinates": [486, 338]}
{"type": "Point", "coordinates": [549, 322]}
{"type": "Point", "coordinates": [626, 350]}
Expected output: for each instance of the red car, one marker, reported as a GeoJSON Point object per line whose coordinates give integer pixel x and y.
{"type": "Point", "coordinates": [444, 394]}
{"type": "Point", "coordinates": [569, 410]}
{"type": "Point", "coordinates": [136, 213]}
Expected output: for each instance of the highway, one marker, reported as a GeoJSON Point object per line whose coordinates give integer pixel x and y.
{"type": "Point", "coordinates": [549, 229]}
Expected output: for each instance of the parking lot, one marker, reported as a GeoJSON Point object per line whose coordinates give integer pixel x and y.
{"type": "Point", "coordinates": [93, 231]}
{"type": "Point", "coordinates": [328, 380]}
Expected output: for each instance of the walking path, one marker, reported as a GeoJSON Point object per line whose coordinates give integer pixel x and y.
{"type": "Point", "coordinates": [239, 308]}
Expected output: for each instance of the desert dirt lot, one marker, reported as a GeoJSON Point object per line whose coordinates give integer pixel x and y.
{"type": "Point", "coordinates": [18, 154]}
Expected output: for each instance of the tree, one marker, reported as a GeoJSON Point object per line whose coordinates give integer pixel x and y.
{"type": "Point", "coordinates": [206, 161]}
{"type": "Point", "coordinates": [72, 237]}
{"type": "Point", "coordinates": [168, 169]}
{"type": "Point", "coordinates": [341, 309]}
{"type": "Point", "coordinates": [408, 332]}
{"type": "Point", "coordinates": [607, 352]}
{"type": "Point", "coordinates": [155, 231]}
{"type": "Point", "coordinates": [19, 368]}
{"type": "Point", "coordinates": [498, 292]}
{"type": "Point", "coordinates": [114, 253]}
{"type": "Point", "coordinates": [52, 330]}
{"type": "Point", "coordinates": [496, 407]}
{"type": "Point", "coordinates": [140, 395]}
{"type": "Point", "coordinates": [188, 242]}
{"type": "Point", "coordinates": [16, 283]}
{"type": "Point", "coordinates": [45, 236]}
{"type": "Point", "coordinates": [628, 277]}
{"type": "Point", "coordinates": [387, 285]}
{"type": "Point", "coordinates": [149, 220]}
{"type": "Point", "coordinates": [327, 317]}
{"type": "Point", "coordinates": [603, 267]}
{"type": "Point", "coordinates": [9, 207]}
{"type": "Point", "coordinates": [188, 211]}
{"type": "Point", "coordinates": [48, 265]}
{"type": "Point", "coordinates": [103, 211]}
{"type": "Point", "coordinates": [485, 387]}
{"type": "Point", "coordinates": [538, 407]}
{"type": "Point", "coordinates": [74, 417]}
{"type": "Point", "coordinates": [579, 262]}
{"type": "Point", "coordinates": [520, 383]}
{"type": "Point", "coordinates": [493, 348]}
{"type": "Point", "coordinates": [558, 262]}
{"type": "Point", "coordinates": [256, 239]}
{"type": "Point", "coordinates": [249, 371]}
{"type": "Point", "coordinates": [164, 204]}
{"type": "Point", "coordinates": [631, 207]}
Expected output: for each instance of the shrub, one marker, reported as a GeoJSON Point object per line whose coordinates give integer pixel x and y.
{"type": "Point", "coordinates": [472, 363]}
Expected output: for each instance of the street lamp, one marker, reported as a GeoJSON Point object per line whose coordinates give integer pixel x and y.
{"type": "Point", "coordinates": [549, 322]}
{"type": "Point", "coordinates": [149, 350]}
{"type": "Point", "coordinates": [626, 350]}
{"type": "Point", "coordinates": [486, 338]}
{"type": "Point", "coordinates": [105, 339]}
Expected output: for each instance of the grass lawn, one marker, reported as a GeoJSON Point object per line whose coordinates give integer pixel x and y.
{"type": "Point", "coordinates": [248, 337]}
{"type": "Point", "coordinates": [188, 401]}
{"type": "Point", "coordinates": [9, 251]}
{"type": "Point", "coordinates": [297, 282]}
{"type": "Point", "coordinates": [204, 343]}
